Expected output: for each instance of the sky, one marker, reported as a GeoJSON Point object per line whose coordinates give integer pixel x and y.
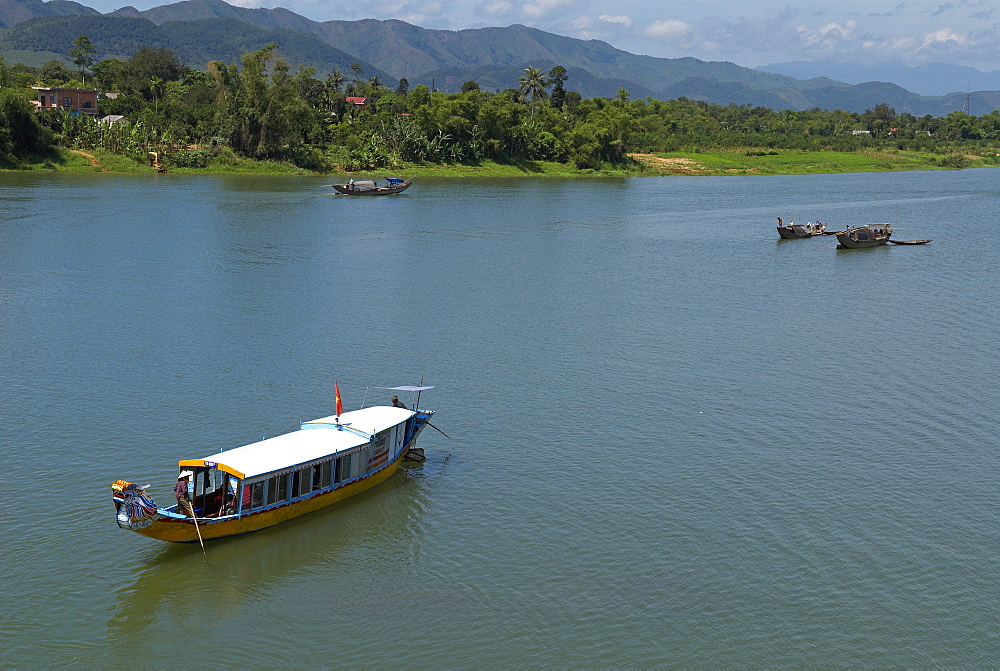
{"type": "Point", "coordinates": [750, 33]}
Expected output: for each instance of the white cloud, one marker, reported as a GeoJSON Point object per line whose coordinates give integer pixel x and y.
{"type": "Point", "coordinates": [539, 9]}
{"type": "Point", "coordinates": [827, 34]}
{"type": "Point", "coordinates": [622, 20]}
{"type": "Point", "coordinates": [946, 35]}
{"type": "Point", "coordinates": [496, 8]}
{"type": "Point", "coordinates": [668, 30]}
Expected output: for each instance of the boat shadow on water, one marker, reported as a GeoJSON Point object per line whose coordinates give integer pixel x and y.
{"type": "Point", "coordinates": [238, 571]}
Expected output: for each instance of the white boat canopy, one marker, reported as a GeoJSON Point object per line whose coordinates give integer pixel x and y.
{"type": "Point", "coordinates": [408, 388]}
{"type": "Point", "coordinates": [316, 439]}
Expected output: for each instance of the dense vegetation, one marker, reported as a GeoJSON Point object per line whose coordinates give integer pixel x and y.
{"type": "Point", "coordinates": [259, 108]}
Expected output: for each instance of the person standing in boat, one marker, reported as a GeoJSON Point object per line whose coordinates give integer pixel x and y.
{"type": "Point", "coordinates": [181, 493]}
{"type": "Point", "coordinates": [396, 403]}
{"type": "Point", "coordinates": [779, 222]}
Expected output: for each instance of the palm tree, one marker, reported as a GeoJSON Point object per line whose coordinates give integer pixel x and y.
{"type": "Point", "coordinates": [533, 84]}
{"type": "Point", "coordinates": [155, 86]}
{"type": "Point", "coordinates": [335, 80]}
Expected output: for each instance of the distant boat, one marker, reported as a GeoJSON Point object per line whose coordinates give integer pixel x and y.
{"type": "Point", "coordinates": [368, 187]}
{"type": "Point", "coordinates": [869, 235]}
{"type": "Point", "coordinates": [793, 230]}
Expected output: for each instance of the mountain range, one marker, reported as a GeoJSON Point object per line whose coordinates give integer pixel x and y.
{"type": "Point", "coordinates": [932, 79]}
{"type": "Point", "coordinates": [202, 30]}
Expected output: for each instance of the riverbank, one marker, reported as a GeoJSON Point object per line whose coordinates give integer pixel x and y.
{"type": "Point", "coordinates": [735, 161]}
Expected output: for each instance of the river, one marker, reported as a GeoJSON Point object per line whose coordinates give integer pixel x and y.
{"type": "Point", "coordinates": [674, 439]}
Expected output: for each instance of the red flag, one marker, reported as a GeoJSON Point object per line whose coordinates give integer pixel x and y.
{"type": "Point", "coordinates": [336, 393]}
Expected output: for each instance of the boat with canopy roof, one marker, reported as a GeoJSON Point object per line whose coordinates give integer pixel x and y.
{"type": "Point", "coordinates": [277, 479]}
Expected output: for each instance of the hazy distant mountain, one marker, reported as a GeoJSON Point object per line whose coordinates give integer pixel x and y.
{"type": "Point", "coordinates": [203, 30]}
{"type": "Point", "coordinates": [935, 79]}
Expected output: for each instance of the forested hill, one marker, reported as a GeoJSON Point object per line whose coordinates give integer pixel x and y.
{"type": "Point", "coordinates": [13, 12]}
{"type": "Point", "coordinates": [194, 42]}
{"type": "Point", "coordinates": [203, 30]}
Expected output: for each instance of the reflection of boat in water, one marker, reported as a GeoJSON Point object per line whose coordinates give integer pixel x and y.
{"type": "Point", "coordinates": [793, 230]}
{"type": "Point", "coordinates": [367, 187]}
{"type": "Point", "coordinates": [277, 479]}
{"type": "Point", "coordinates": [383, 525]}
{"type": "Point", "coordinates": [869, 235]}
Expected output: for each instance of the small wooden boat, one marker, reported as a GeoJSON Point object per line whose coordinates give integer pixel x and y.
{"type": "Point", "coordinates": [793, 230]}
{"type": "Point", "coordinates": [869, 235]}
{"type": "Point", "coordinates": [367, 187]}
{"type": "Point", "coordinates": [909, 242]}
{"type": "Point", "coordinates": [277, 479]}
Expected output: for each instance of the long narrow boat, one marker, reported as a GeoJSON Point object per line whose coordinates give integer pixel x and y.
{"type": "Point", "coordinates": [793, 230]}
{"type": "Point", "coordinates": [264, 483]}
{"type": "Point", "coordinates": [367, 187]}
{"type": "Point", "coordinates": [869, 235]}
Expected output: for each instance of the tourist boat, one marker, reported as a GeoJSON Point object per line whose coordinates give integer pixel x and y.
{"type": "Point", "coordinates": [869, 235]}
{"type": "Point", "coordinates": [793, 230]}
{"type": "Point", "coordinates": [367, 187]}
{"type": "Point", "coordinates": [264, 483]}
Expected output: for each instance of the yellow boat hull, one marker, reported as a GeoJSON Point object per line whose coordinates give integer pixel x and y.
{"type": "Point", "coordinates": [178, 530]}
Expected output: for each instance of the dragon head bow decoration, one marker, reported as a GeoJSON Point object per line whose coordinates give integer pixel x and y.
{"type": "Point", "coordinates": [135, 509]}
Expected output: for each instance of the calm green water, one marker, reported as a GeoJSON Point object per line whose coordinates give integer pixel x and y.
{"type": "Point", "coordinates": [675, 440]}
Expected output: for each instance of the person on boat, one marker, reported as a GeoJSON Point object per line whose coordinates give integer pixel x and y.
{"type": "Point", "coordinates": [779, 222]}
{"type": "Point", "coordinates": [181, 493]}
{"type": "Point", "coordinates": [350, 184]}
{"type": "Point", "coordinates": [396, 403]}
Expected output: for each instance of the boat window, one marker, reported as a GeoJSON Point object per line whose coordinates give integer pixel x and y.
{"type": "Point", "coordinates": [344, 467]}
{"type": "Point", "coordinates": [325, 470]}
{"type": "Point", "coordinates": [257, 495]}
{"type": "Point", "coordinates": [277, 488]}
{"type": "Point", "coordinates": [303, 481]}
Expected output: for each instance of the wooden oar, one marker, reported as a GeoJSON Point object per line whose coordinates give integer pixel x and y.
{"type": "Point", "coordinates": [439, 431]}
{"type": "Point", "coordinates": [194, 517]}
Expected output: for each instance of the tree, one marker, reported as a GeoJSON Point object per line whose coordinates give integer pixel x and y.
{"type": "Point", "coordinates": [403, 87]}
{"type": "Point", "coordinates": [110, 74]}
{"type": "Point", "coordinates": [533, 84]}
{"type": "Point", "coordinates": [557, 77]}
{"type": "Point", "coordinates": [261, 115]}
{"type": "Point", "coordinates": [20, 131]}
{"type": "Point", "coordinates": [148, 64]}
{"type": "Point", "coordinates": [82, 53]}
{"type": "Point", "coordinates": [54, 73]}
{"type": "Point", "coordinates": [335, 80]}
{"type": "Point", "coordinates": [470, 86]}
{"type": "Point", "coordinates": [156, 90]}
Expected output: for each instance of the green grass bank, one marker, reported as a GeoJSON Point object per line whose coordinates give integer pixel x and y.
{"type": "Point", "coordinates": [728, 161]}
